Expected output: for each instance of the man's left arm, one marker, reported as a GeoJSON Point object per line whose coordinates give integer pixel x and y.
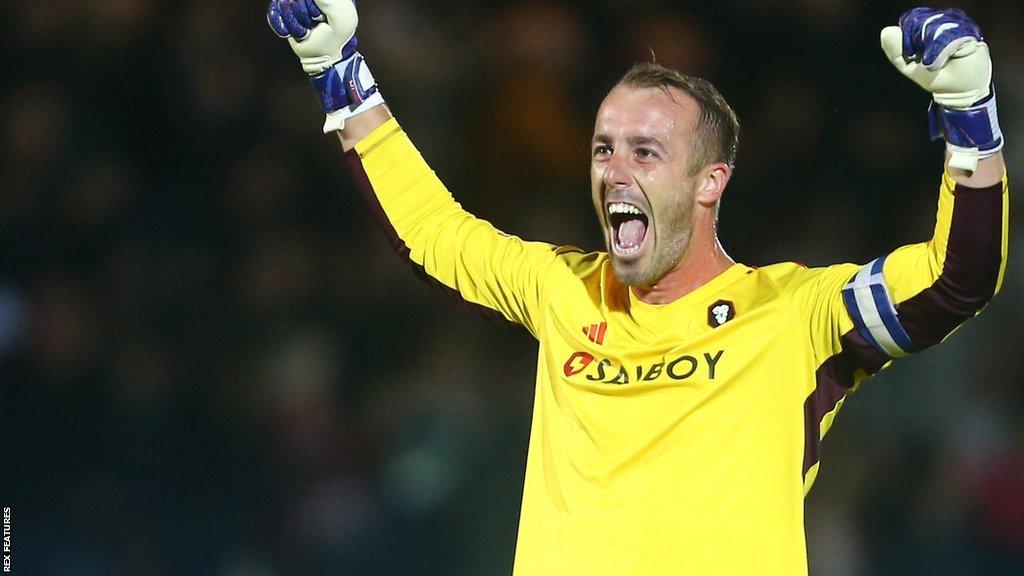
{"type": "Point", "coordinates": [917, 295]}
{"type": "Point", "coordinates": [863, 317]}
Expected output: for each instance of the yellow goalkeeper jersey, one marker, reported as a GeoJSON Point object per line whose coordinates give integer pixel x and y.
{"type": "Point", "coordinates": [681, 438]}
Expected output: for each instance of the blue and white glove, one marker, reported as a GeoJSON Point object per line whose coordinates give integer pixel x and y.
{"type": "Point", "coordinates": [322, 35]}
{"type": "Point", "coordinates": [944, 52]}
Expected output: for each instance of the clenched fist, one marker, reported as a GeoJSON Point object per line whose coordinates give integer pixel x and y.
{"type": "Point", "coordinates": [322, 35]}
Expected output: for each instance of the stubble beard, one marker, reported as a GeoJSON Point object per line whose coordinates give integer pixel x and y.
{"type": "Point", "coordinates": [672, 239]}
{"type": "Point", "coordinates": [666, 256]}
{"type": "Point", "coordinates": [669, 250]}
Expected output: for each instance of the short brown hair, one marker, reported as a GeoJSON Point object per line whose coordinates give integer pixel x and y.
{"type": "Point", "coordinates": [718, 128]}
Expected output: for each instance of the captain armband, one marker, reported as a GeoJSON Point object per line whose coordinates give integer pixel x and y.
{"type": "Point", "coordinates": [870, 306]}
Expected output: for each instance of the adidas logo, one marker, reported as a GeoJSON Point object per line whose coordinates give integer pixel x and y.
{"type": "Point", "coordinates": [595, 332]}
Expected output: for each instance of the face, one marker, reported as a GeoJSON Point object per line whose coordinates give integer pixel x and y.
{"type": "Point", "coordinates": [640, 179]}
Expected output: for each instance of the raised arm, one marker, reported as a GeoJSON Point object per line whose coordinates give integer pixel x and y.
{"type": "Point", "coordinates": [928, 290]}
{"type": "Point", "coordinates": [863, 317]}
{"type": "Point", "coordinates": [472, 262]}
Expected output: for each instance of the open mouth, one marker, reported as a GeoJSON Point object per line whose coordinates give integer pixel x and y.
{"type": "Point", "coordinates": [629, 228]}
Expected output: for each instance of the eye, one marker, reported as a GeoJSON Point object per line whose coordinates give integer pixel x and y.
{"type": "Point", "coordinates": [646, 154]}
{"type": "Point", "coordinates": [602, 150]}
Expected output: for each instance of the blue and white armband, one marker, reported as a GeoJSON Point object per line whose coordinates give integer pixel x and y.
{"type": "Point", "coordinates": [971, 133]}
{"type": "Point", "coordinates": [874, 316]}
{"type": "Point", "coordinates": [346, 89]}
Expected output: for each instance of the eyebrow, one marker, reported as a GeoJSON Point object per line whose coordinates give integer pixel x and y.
{"type": "Point", "coordinates": [644, 141]}
{"type": "Point", "coordinates": [632, 141]}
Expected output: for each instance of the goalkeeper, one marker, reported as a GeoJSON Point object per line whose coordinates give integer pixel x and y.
{"type": "Point", "coordinates": [681, 396]}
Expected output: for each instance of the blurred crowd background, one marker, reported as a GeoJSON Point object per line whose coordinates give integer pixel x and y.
{"type": "Point", "coordinates": [212, 364]}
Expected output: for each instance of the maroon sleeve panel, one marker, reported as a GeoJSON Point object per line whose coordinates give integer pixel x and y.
{"type": "Point", "coordinates": [971, 270]}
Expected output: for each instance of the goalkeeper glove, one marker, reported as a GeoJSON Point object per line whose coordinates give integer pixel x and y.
{"type": "Point", "coordinates": [322, 35]}
{"type": "Point", "coordinates": [944, 52]}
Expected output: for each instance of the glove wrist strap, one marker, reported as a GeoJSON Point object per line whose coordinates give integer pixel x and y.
{"type": "Point", "coordinates": [971, 133]}
{"type": "Point", "coordinates": [346, 89]}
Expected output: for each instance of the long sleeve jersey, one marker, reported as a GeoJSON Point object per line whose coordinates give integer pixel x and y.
{"type": "Point", "coordinates": [682, 438]}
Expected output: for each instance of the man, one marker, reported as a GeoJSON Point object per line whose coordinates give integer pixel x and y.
{"type": "Point", "coordinates": [681, 396]}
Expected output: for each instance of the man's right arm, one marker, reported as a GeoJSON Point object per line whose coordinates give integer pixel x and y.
{"type": "Point", "coordinates": [447, 246]}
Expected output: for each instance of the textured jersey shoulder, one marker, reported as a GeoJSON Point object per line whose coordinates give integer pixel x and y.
{"type": "Point", "coordinates": [809, 287]}
{"type": "Point", "coordinates": [794, 276]}
{"type": "Point", "coordinates": [579, 263]}
{"type": "Point", "coordinates": [788, 275]}
{"type": "Point", "coordinates": [576, 274]}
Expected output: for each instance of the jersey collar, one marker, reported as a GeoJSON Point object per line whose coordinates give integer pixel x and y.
{"type": "Point", "coordinates": [642, 311]}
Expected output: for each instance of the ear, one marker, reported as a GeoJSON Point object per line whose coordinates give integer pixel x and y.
{"type": "Point", "coordinates": [711, 182]}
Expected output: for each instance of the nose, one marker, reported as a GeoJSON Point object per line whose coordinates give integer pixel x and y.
{"type": "Point", "coordinates": [616, 171]}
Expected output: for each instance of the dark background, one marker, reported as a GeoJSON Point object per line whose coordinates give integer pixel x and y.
{"type": "Point", "coordinates": [212, 364]}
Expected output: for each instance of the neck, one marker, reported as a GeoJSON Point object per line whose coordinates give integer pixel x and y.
{"type": "Point", "coordinates": [701, 263]}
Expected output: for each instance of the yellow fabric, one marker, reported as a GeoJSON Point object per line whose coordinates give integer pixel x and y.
{"type": "Point", "coordinates": [673, 446]}
{"type": "Point", "coordinates": [910, 269]}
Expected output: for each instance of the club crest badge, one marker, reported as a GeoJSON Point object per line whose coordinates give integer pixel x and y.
{"type": "Point", "coordinates": [720, 312]}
